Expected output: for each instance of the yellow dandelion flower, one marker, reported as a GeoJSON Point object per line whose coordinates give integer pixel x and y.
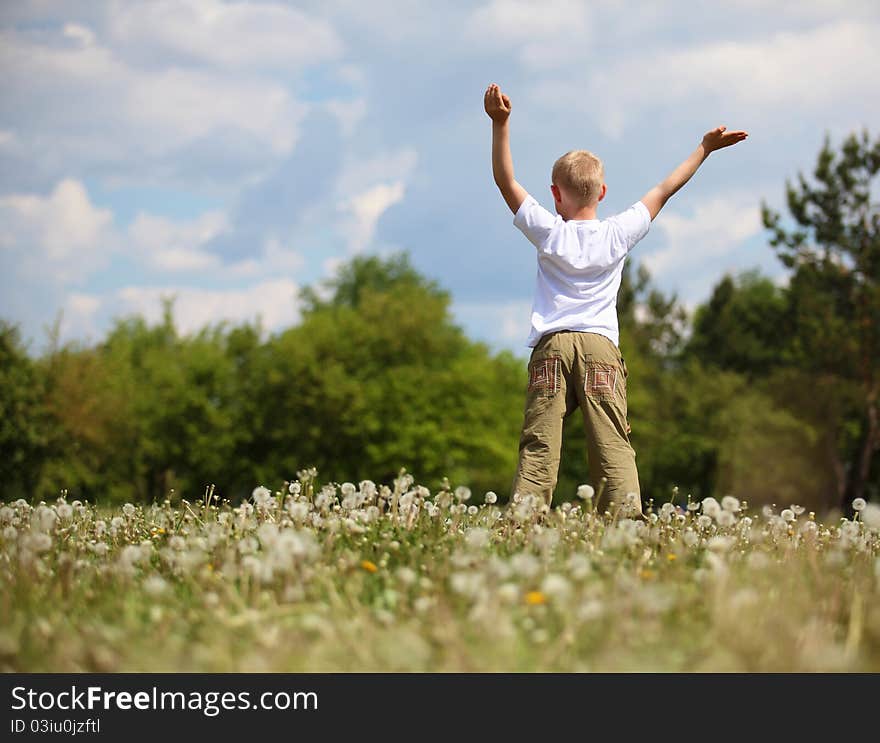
{"type": "Point", "coordinates": [647, 574]}
{"type": "Point", "coordinates": [370, 567]}
{"type": "Point", "coordinates": [535, 598]}
{"type": "Point", "coordinates": [671, 557]}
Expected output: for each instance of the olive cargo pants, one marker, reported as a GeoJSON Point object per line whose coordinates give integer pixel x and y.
{"type": "Point", "coordinates": [570, 370]}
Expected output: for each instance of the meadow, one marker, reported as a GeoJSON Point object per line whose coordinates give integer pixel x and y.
{"type": "Point", "coordinates": [367, 577]}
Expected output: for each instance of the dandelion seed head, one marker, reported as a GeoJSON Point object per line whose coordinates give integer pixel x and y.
{"type": "Point", "coordinates": [859, 504]}
{"type": "Point", "coordinates": [870, 516]}
{"type": "Point", "coordinates": [490, 498]}
{"type": "Point", "coordinates": [729, 503]}
{"type": "Point", "coordinates": [585, 492]}
{"type": "Point", "coordinates": [477, 538]}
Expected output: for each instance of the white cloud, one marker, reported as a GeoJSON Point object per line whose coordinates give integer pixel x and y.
{"type": "Point", "coordinates": [790, 71]}
{"type": "Point", "coordinates": [234, 35]}
{"type": "Point", "coordinates": [378, 183]}
{"type": "Point", "coordinates": [83, 105]}
{"type": "Point", "coordinates": [366, 208]}
{"type": "Point", "coordinates": [78, 318]}
{"type": "Point", "coordinates": [276, 259]}
{"type": "Point", "coordinates": [60, 238]}
{"type": "Point", "coordinates": [714, 229]}
{"type": "Point", "coordinates": [168, 245]}
{"type": "Point", "coordinates": [546, 33]}
{"type": "Point", "coordinates": [81, 34]}
{"type": "Point", "coordinates": [273, 301]}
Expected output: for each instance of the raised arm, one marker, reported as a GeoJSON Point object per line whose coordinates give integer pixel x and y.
{"type": "Point", "coordinates": [498, 107]}
{"type": "Point", "coordinates": [713, 140]}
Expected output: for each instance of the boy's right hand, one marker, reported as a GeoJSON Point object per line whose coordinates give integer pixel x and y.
{"type": "Point", "coordinates": [719, 137]}
{"type": "Point", "coordinates": [497, 104]}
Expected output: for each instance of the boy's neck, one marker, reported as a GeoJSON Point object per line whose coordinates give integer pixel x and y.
{"type": "Point", "coordinates": [586, 212]}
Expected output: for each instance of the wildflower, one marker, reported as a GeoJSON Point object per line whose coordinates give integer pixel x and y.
{"type": "Point", "coordinates": [671, 557]}
{"type": "Point", "coordinates": [871, 516]}
{"type": "Point", "coordinates": [525, 565]}
{"type": "Point", "coordinates": [370, 567]}
{"type": "Point", "coordinates": [710, 506]}
{"type": "Point", "coordinates": [556, 587]}
{"type": "Point", "coordinates": [490, 498]}
{"type": "Point", "coordinates": [462, 493]}
{"type": "Point", "coordinates": [44, 519]}
{"type": "Point", "coordinates": [729, 503]}
{"type": "Point", "coordinates": [407, 576]}
{"type": "Point", "coordinates": [128, 510]}
{"type": "Point", "coordinates": [65, 512]}
{"type": "Point", "coordinates": [585, 492]}
{"type": "Point", "coordinates": [535, 598]}
{"type": "Point", "coordinates": [720, 544]}
{"type": "Point", "coordinates": [725, 518]}
{"type": "Point", "coordinates": [859, 504]}
{"type": "Point", "coordinates": [579, 566]}
{"type": "Point", "coordinates": [787, 515]}
{"type": "Point", "coordinates": [298, 510]}
{"type": "Point", "coordinates": [477, 538]}
{"type": "Point", "coordinates": [294, 488]}
{"type": "Point", "coordinates": [155, 585]}
{"type": "Point", "coordinates": [40, 542]}
{"type": "Point", "coordinates": [472, 510]}
{"type": "Point", "coordinates": [261, 496]}
{"type": "Point", "coordinates": [467, 584]}
{"type": "Point", "coordinates": [6, 515]}
{"type": "Point", "coordinates": [646, 574]}
{"type": "Point", "coordinates": [590, 610]}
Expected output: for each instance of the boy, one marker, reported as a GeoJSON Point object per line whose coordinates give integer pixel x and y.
{"type": "Point", "coordinates": [575, 360]}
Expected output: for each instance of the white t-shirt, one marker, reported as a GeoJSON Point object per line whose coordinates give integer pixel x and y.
{"type": "Point", "coordinates": [580, 263]}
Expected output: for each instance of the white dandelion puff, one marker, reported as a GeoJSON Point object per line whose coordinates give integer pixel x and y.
{"type": "Point", "coordinates": [729, 503]}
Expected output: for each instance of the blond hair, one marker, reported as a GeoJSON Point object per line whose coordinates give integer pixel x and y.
{"type": "Point", "coordinates": [581, 174]}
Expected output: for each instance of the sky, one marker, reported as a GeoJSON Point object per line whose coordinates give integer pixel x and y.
{"type": "Point", "coordinates": [229, 153]}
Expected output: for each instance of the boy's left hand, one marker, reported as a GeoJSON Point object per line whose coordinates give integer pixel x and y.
{"type": "Point", "coordinates": [719, 137]}
{"type": "Point", "coordinates": [497, 104]}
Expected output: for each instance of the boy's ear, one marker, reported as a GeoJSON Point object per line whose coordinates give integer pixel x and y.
{"type": "Point", "coordinates": [602, 193]}
{"type": "Point", "coordinates": [557, 194]}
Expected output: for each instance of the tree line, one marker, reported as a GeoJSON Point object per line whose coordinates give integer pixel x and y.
{"type": "Point", "coordinates": [767, 392]}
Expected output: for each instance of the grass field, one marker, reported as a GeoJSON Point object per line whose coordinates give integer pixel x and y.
{"type": "Point", "coordinates": [367, 578]}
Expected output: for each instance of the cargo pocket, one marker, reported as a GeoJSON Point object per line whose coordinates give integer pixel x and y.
{"type": "Point", "coordinates": [604, 382]}
{"type": "Point", "coordinates": [625, 406]}
{"type": "Point", "coordinates": [544, 375]}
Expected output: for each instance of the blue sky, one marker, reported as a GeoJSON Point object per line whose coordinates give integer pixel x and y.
{"type": "Point", "coordinates": [229, 153]}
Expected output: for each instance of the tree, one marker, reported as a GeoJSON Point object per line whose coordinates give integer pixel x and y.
{"type": "Point", "coordinates": [744, 327]}
{"type": "Point", "coordinates": [833, 250]}
{"type": "Point", "coordinates": [23, 425]}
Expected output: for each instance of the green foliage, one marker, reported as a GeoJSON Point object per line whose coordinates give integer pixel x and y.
{"type": "Point", "coordinates": [834, 252]}
{"type": "Point", "coordinates": [744, 327]}
{"type": "Point", "coordinates": [22, 415]}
